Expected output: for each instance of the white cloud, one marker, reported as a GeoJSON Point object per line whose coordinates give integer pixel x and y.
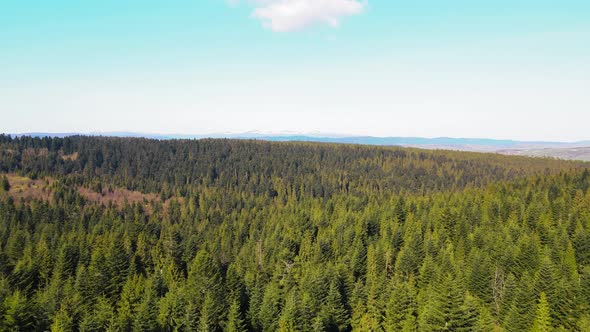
{"type": "Point", "coordinates": [292, 15]}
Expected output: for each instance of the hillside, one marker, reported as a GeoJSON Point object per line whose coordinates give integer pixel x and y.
{"type": "Point", "coordinates": [561, 150]}
{"type": "Point", "coordinates": [131, 234]}
{"type": "Point", "coordinates": [574, 153]}
{"type": "Point", "coordinates": [317, 169]}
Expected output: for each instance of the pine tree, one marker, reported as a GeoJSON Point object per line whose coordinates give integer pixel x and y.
{"type": "Point", "coordinates": [130, 297]}
{"type": "Point", "coordinates": [207, 322]}
{"type": "Point", "coordinates": [271, 307]}
{"type": "Point", "coordinates": [409, 324]}
{"type": "Point", "coordinates": [172, 311]}
{"type": "Point", "coordinates": [318, 325]}
{"type": "Point", "coordinates": [545, 282]}
{"type": "Point", "coordinates": [19, 315]}
{"type": "Point", "coordinates": [584, 323]}
{"type": "Point", "coordinates": [485, 321]}
{"type": "Point", "coordinates": [582, 246]}
{"type": "Point", "coordinates": [192, 317]}
{"type": "Point", "coordinates": [337, 317]}
{"type": "Point", "coordinates": [146, 316]}
{"type": "Point", "coordinates": [469, 315]}
{"type": "Point", "coordinates": [117, 264]}
{"type": "Point", "coordinates": [101, 318]}
{"type": "Point", "coordinates": [445, 309]}
{"type": "Point", "coordinates": [402, 304]}
{"type": "Point", "coordinates": [62, 322]}
{"type": "Point", "coordinates": [204, 278]}
{"type": "Point", "coordinates": [256, 297]}
{"type": "Point", "coordinates": [411, 255]}
{"type": "Point", "coordinates": [4, 184]}
{"type": "Point", "coordinates": [584, 299]}
{"type": "Point", "coordinates": [289, 319]}
{"type": "Point", "coordinates": [373, 318]}
{"type": "Point", "coordinates": [570, 267]}
{"type": "Point", "coordinates": [358, 313]}
{"type": "Point", "coordinates": [400, 211]}
{"type": "Point", "coordinates": [480, 277]}
{"type": "Point", "coordinates": [542, 322]}
{"type": "Point", "coordinates": [522, 311]}
{"type": "Point", "coordinates": [234, 322]}
{"type": "Point", "coordinates": [308, 311]}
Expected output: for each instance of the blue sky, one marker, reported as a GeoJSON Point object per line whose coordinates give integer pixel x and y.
{"type": "Point", "coordinates": [502, 69]}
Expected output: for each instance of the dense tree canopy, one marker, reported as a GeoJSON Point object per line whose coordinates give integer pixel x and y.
{"type": "Point", "coordinates": [255, 236]}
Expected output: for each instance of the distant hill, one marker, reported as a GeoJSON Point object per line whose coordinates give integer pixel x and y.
{"type": "Point", "coordinates": [574, 153]}
{"type": "Point", "coordinates": [563, 150]}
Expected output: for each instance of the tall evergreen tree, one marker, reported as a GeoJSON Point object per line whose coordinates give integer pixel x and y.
{"type": "Point", "coordinates": [234, 322]}
{"type": "Point", "coordinates": [4, 184]}
{"type": "Point", "coordinates": [542, 322]}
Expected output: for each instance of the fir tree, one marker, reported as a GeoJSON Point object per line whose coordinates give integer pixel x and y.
{"type": "Point", "coordinates": [4, 184]}
{"type": "Point", "coordinates": [19, 315]}
{"type": "Point", "coordinates": [234, 322]}
{"type": "Point", "coordinates": [62, 322]}
{"type": "Point", "coordinates": [402, 304]}
{"type": "Point", "coordinates": [337, 317]}
{"type": "Point", "coordinates": [542, 322]}
{"type": "Point", "coordinates": [206, 320]}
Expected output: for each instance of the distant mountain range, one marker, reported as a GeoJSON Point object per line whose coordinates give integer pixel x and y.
{"type": "Point", "coordinates": [563, 150]}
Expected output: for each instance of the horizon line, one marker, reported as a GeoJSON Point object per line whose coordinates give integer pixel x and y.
{"type": "Point", "coordinates": [279, 134]}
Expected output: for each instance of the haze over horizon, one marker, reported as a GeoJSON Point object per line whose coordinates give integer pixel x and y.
{"type": "Point", "coordinates": [503, 70]}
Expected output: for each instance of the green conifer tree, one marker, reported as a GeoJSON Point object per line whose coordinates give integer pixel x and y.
{"type": "Point", "coordinates": [19, 315]}
{"type": "Point", "coordinates": [401, 305]}
{"type": "Point", "coordinates": [4, 184]}
{"type": "Point", "coordinates": [146, 316]}
{"type": "Point", "coordinates": [337, 317]}
{"type": "Point", "coordinates": [62, 322]}
{"type": "Point", "coordinates": [207, 322]}
{"type": "Point", "coordinates": [234, 322]}
{"type": "Point", "coordinates": [271, 307]}
{"type": "Point", "coordinates": [542, 322]}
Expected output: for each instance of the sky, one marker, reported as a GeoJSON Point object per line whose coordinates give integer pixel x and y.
{"type": "Point", "coordinates": [507, 69]}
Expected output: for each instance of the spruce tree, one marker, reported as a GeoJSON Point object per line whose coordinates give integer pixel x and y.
{"type": "Point", "coordinates": [445, 308]}
{"type": "Point", "coordinates": [402, 304]}
{"type": "Point", "coordinates": [192, 316]}
{"type": "Point", "coordinates": [204, 278]}
{"type": "Point", "coordinates": [234, 322]}
{"type": "Point", "coordinates": [485, 321]}
{"type": "Point", "coordinates": [146, 314]}
{"type": "Point", "coordinates": [62, 322]}
{"type": "Point", "coordinates": [101, 318]}
{"type": "Point", "coordinates": [130, 298]}
{"type": "Point", "coordinates": [522, 311]}
{"type": "Point", "coordinates": [206, 320]}
{"type": "Point", "coordinates": [271, 307]}
{"type": "Point", "coordinates": [337, 316]}
{"type": "Point", "coordinates": [289, 319]}
{"type": "Point", "coordinates": [19, 315]}
{"type": "Point", "coordinates": [4, 184]}
{"type": "Point", "coordinates": [542, 322]}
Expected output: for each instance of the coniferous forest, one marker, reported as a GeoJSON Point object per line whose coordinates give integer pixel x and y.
{"type": "Point", "coordinates": [129, 234]}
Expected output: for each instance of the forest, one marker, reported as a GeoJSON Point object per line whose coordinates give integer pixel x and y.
{"type": "Point", "coordinates": [132, 234]}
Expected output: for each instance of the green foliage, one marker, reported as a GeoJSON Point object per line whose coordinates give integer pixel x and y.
{"type": "Point", "coordinates": [19, 313]}
{"type": "Point", "coordinates": [234, 322]}
{"type": "Point", "coordinates": [256, 236]}
{"type": "Point", "coordinates": [542, 322]}
{"type": "Point", "coordinates": [4, 184]}
{"type": "Point", "coordinates": [402, 308]}
{"type": "Point", "coordinates": [62, 322]}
